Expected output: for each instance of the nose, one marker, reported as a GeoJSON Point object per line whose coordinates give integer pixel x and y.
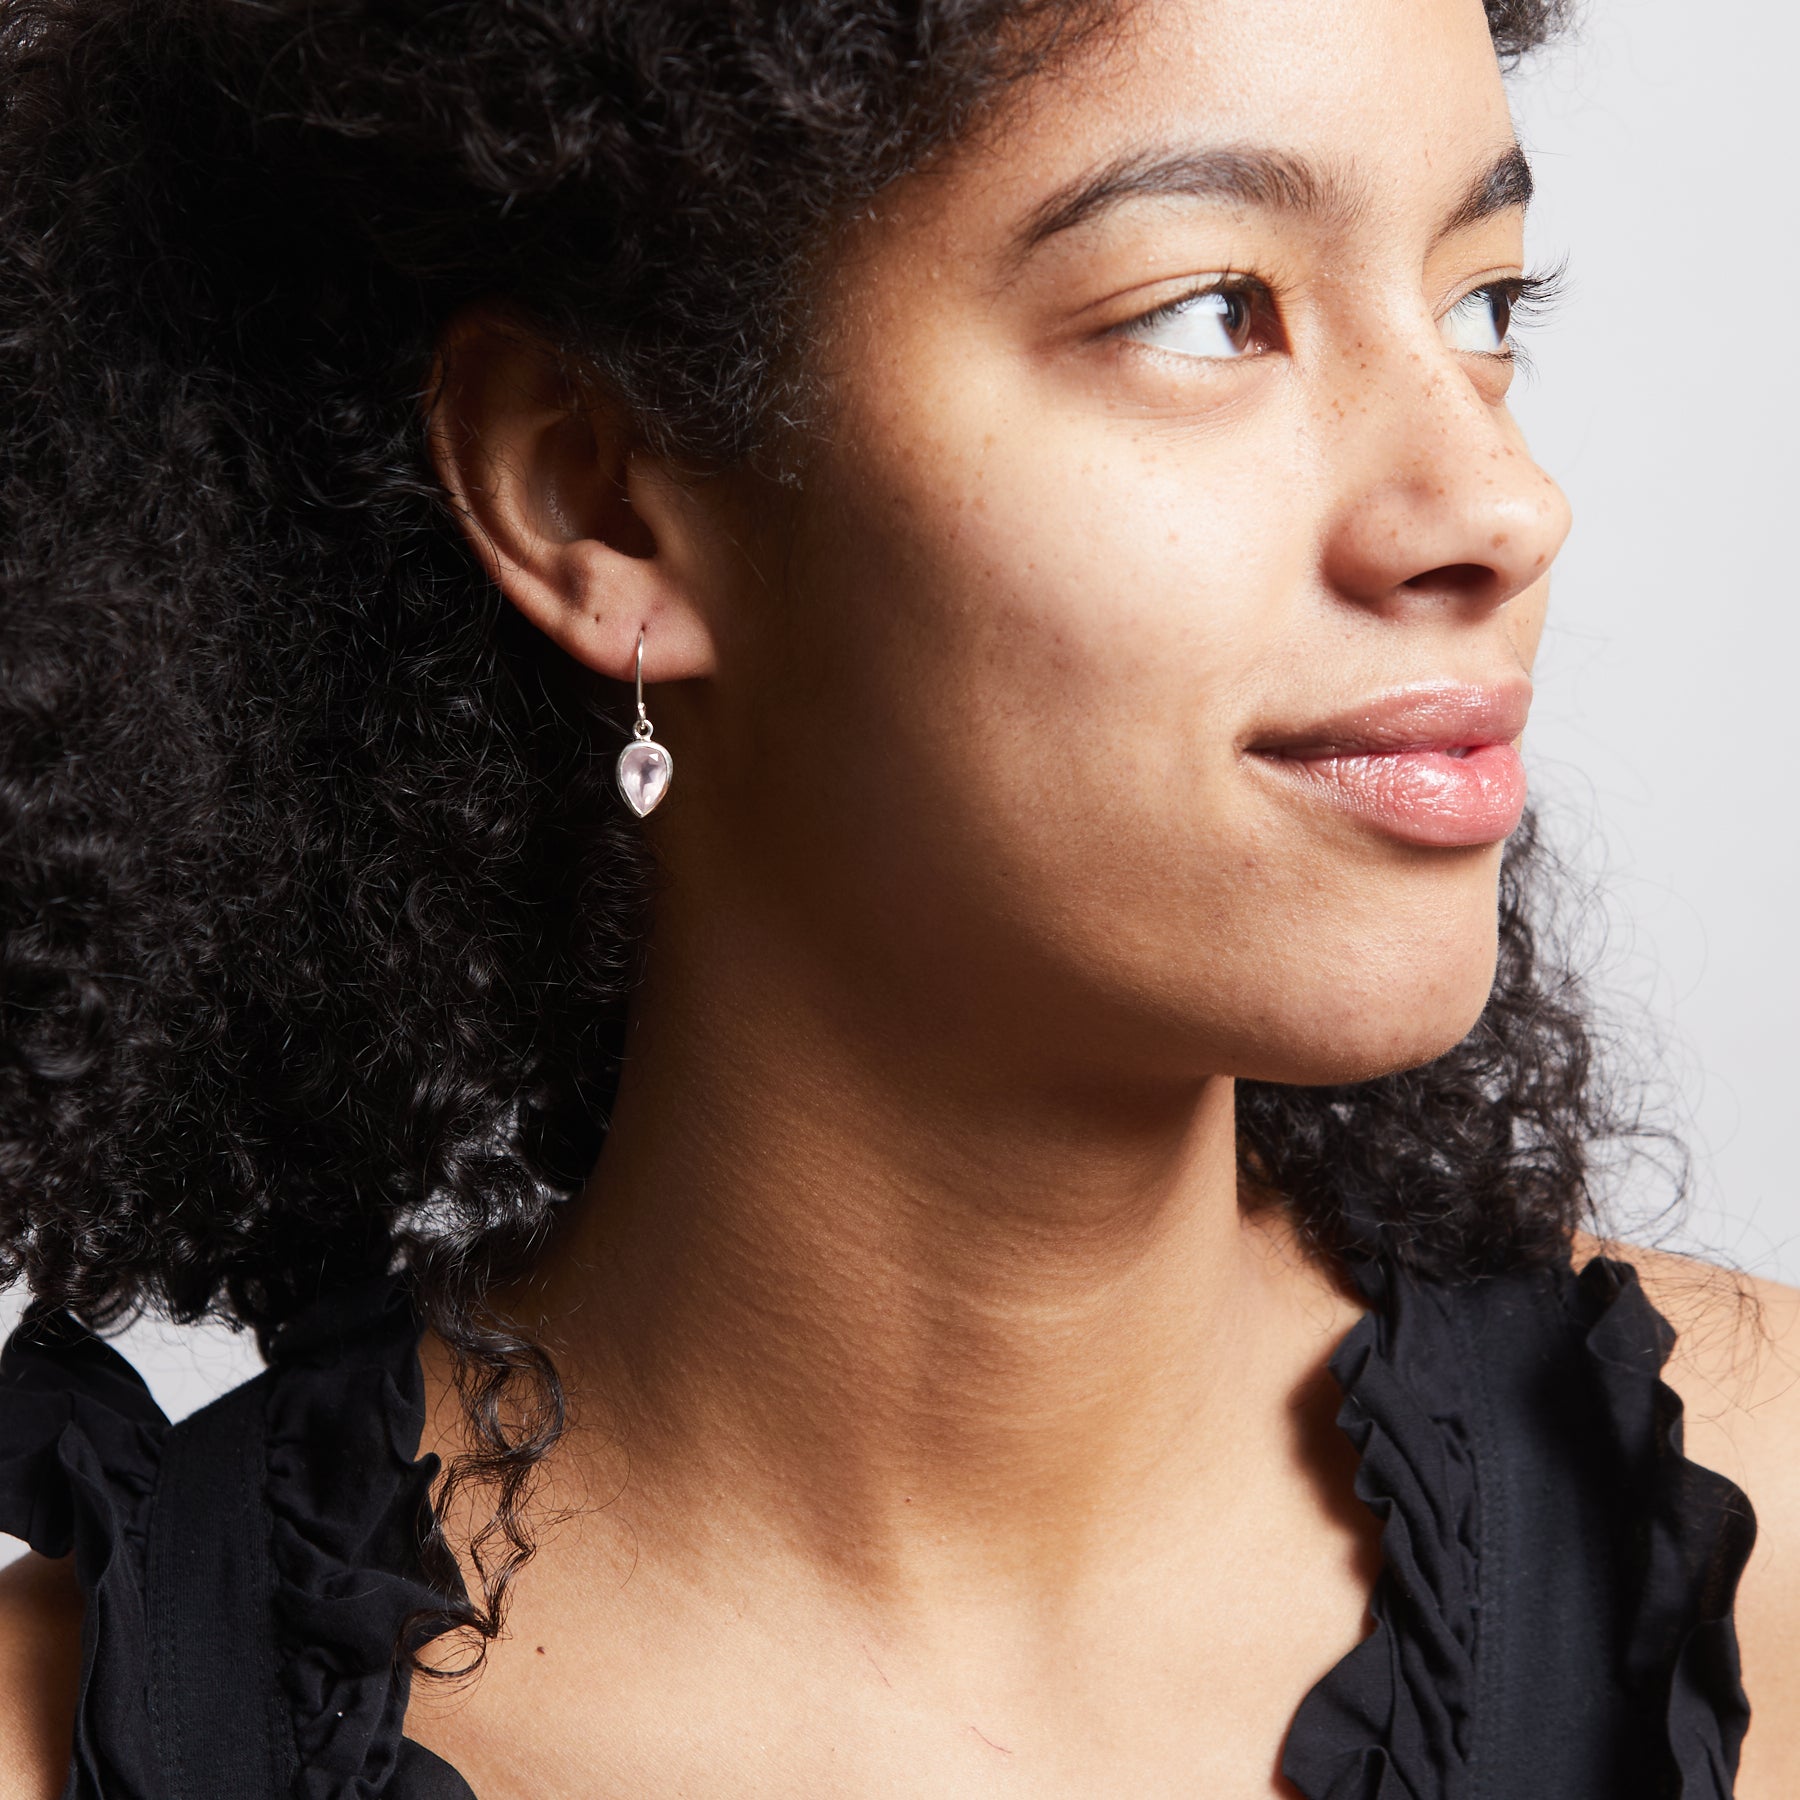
{"type": "Point", "coordinates": [1439, 502]}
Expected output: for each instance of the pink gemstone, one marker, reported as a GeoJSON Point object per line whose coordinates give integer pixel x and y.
{"type": "Point", "coordinates": [644, 771]}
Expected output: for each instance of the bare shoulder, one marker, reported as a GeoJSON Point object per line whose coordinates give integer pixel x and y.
{"type": "Point", "coordinates": [1736, 1363]}
{"type": "Point", "coordinates": [1736, 1366]}
{"type": "Point", "coordinates": [40, 1667]}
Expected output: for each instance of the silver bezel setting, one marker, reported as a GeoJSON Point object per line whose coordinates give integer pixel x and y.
{"type": "Point", "coordinates": [638, 743]}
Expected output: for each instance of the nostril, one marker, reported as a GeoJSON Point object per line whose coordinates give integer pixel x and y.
{"type": "Point", "coordinates": [1452, 578]}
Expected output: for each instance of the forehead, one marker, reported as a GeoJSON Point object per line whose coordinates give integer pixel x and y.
{"type": "Point", "coordinates": [1389, 106]}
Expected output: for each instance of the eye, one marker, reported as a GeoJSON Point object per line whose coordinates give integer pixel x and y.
{"type": "Point", "coordinates": [1481, 321]}
{"type": "Point", "coordinates": [1217, 324]}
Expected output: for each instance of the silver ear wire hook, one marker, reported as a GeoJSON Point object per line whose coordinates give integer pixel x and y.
{"type": "Point", "coordinates": [645, 768]}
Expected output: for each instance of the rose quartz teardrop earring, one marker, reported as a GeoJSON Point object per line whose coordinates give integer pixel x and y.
{"type": "Point", "coordinates": [645, 768]}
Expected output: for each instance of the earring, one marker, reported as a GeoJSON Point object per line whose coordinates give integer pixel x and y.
{"type": "Point", "coordinates": [645, 768]}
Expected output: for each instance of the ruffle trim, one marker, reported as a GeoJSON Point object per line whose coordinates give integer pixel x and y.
{"type": "Point", "coordinates": [79, 1459]}
{"type": "Point", "coordinates": [1393, 1719]}
{"type": "Point", "coordinates": [351, 1500]}
{"type": "Point", "coordinates": [1693, 1531]}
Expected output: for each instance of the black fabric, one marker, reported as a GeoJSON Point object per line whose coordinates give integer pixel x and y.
{"type": "Point", "coordinates": [1552, 1619]}
{"type": "Point", "coordinates": [348, 1501]}
{"type": "Point", "coordinates": [1553, 1615]}
{"type": "Point", "coordinates": [221, 1729]}
{"type": "Point", "coordinates": [80, 1441]}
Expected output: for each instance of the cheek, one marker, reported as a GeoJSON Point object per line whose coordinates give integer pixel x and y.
{"type": "Point", "coordinates": [1032, 662]}
{"type": "Point", "coordinates": [1058, 623]}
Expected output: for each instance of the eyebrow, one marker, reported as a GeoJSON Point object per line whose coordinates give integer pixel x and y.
{"type": "Point", "coordinates": [1506, 183]}
{"type": "Point", "coordinates": [1248, 176]}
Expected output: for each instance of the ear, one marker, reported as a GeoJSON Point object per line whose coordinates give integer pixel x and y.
{"type": "Point", "coordinates": [590, 536]}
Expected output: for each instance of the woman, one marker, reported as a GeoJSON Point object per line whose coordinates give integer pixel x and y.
{"type": "Point", "coordinates": [756, 765]}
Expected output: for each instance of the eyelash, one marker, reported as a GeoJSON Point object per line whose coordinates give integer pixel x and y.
{"type": "Point", "coordinates": [1228, 282]}
{"type": "Point", "coordinates": [1531, 298]}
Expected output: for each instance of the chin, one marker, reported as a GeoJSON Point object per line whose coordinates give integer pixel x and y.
{"type": "Point", "coordinates": [1355, 1030]}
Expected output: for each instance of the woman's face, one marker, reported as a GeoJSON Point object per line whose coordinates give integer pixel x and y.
{"type": "Point", "coordinates": [1133, 672]}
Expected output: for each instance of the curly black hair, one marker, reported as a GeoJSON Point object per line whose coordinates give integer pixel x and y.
{"type": "Point", "coordinates": [318, 918]}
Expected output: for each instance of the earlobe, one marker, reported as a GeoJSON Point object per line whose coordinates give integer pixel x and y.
{"type": "Point", "coordinates": [584, 531]}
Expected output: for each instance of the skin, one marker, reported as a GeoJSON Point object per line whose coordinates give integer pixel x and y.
{"type": "Point", "coordinates": [946, 1422]}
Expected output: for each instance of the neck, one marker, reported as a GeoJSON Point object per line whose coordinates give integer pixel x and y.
{"type": "Point", "coordinates": [926, 1317]}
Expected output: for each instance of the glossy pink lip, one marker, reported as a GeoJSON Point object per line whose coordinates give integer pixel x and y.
{"type": "Point", "coordinates": [1435, 764]}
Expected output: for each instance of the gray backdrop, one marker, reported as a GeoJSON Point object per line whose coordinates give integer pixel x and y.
{"type": "Point", "coordinates": [1662, 400]}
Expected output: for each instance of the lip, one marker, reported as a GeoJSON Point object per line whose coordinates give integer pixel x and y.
{"type": "Point", "coordinates": [1435, 764]}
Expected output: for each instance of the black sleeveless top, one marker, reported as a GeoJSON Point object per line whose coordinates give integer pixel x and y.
{"type": "Point", "coordinates": [1552, 1620]}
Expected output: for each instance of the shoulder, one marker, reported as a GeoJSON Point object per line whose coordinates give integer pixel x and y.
{"type": "Point", "coordinates": [40, 1669]}
{"type": "Point", "coordinates": [1736, 1367]}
